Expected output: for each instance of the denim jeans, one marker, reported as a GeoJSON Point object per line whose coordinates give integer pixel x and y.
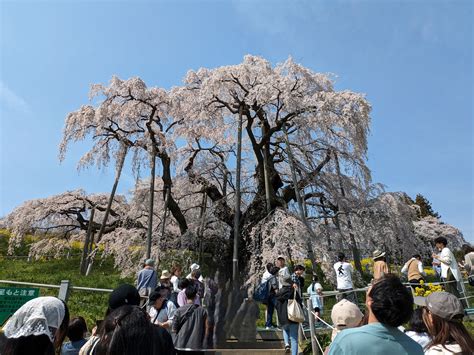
{"type": "Point", "coordinates": [290, 333]}
{"type": "Point", "coordinates": [270, 309]}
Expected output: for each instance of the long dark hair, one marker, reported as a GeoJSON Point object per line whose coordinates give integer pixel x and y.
{"type": "Point", "coordinates": [445, 331]}
{"type": "Point", "coordinates": [416, 323]}
{"type": "Point", "coordinates": [127, 331]}
{"type": "Point", "coordinates": [37, 344]}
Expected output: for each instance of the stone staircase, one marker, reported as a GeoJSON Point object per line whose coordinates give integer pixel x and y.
{"type": "Point", "coordinates": [268, 342]}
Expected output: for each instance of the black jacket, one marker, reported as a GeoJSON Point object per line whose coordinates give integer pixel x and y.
{"type": "Point", "coordinates": [282, 297]}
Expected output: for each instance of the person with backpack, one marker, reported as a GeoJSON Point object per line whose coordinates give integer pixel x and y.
{"type": "Point", "coordinates": [190, 325]}
{"type": "Point", "coordinates": [270, 285]}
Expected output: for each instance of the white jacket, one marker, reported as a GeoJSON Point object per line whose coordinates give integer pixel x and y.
{"type": "Point", "coordinates": [447, 349]}
{"type": "Point", "coordinates": [448, 261]}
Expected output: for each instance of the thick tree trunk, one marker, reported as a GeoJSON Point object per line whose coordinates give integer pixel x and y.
{"type": "Point", "coordinates": [172, 204]}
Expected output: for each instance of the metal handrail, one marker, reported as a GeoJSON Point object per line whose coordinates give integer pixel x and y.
{"type": "Point", "coordinates": [79, 288]}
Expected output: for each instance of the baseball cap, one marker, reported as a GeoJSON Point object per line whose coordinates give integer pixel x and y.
{"type": "Point", "coordinates": [346, 314]}
{"type": "Point", "coordinates": [444, 305]}
{"type": "Point", "coordinates": [124, 295]}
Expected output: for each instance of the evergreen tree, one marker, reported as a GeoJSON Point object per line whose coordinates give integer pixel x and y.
{"type": "Point", "coordinates": [425, 207]}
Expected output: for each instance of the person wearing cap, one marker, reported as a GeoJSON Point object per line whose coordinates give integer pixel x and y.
{"type": "Point", "coordinates": [443, 314]}
{"type": "Point", "coordinates": [345, 315]}
{"type": "Point", "coordinates": [389, 304]}
{"type": "Point", "coordinates": [146, 278]}
{"type": "Point", "coordinates": [414, 269]}
{"type": "Point", "coordinates": [344, 279]}
{"type": "Point", "coordinates": [449, 267]}
{"type": "Point", "coordinates": [380, 264]}
{"type": "Point", "coordinates": [161, 311]}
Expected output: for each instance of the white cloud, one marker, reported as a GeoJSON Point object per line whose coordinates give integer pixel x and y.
{"type": "Point", "coordinates": [11, 100]}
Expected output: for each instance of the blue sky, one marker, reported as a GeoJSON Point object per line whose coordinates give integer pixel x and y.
{"type": "Point", "coordinates": [413, 59]}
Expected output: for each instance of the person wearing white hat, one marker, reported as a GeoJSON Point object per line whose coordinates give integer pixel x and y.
{"type": "Point", "coordinates": [195, 266]}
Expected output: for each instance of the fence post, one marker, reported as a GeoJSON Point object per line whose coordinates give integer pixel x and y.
{"type": "Point", "coordinates": [64, 290]}
{"type": "Point", "coordinates": [314, 346]}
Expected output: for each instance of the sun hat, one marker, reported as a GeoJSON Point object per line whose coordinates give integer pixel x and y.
{"type": "Point", "coordinates": [39, 316]}
{"type": "Point", "coordinates": [195, 266]}
{"type": "Point", "coordinates": [444, 305]}
{"type": "Point", "coordinates": [124, 295]}
{"type": "Point", "coordinates": [377, 254]}
{"type": "Point", "coordinates": [150, 262]}
{"type": "Point", "coordinates": [165, 274]}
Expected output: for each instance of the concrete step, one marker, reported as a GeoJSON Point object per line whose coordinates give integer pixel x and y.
{"type": "Point", "coordinates": [245, 351]}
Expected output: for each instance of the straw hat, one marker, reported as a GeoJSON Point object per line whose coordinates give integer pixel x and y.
{"type": "Point", "coordinates": [377, 254]}
{"type": "Point", "coordinates": [165, 274]}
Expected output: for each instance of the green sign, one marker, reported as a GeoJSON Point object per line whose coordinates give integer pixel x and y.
{"type": "Point", "coordinates": [12, 298]}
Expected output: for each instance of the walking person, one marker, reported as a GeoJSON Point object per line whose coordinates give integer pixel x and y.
{"type": "Point", "coordinates": [290, 328]}
{"type": "Point", "coordinates": [414, 269]}
{"type": "Point", "coordinates": [449, 267]}
{"type": "Point", "coordinates": [344, 279]}
{"type": "Point", "coordinates": [283, 272]}
{"type": "Point", "coordinates": [190, 325]}
{"type": "Point", "coordinates": [315, 292]}
{"type": "Point", "coordinates": [380, 265]}
{"type": "Point", "coordinates": [176, 271]}
{"type": "Point", "coordinates": [161, 310]}
{"type": "Point", "coordinates": [298, 279]}
{"type": "Point", "coordinates": [146, 280]}
{"type": "Point", "coordinates": [182, 299]}
{"type": "Point", "coordinates": [194, 267]}
{"type": "Point", "coordinates": [269, 277]}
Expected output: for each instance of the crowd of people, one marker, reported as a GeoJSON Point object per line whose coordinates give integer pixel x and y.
{"type": "Point", "coordinates": [168, 314]}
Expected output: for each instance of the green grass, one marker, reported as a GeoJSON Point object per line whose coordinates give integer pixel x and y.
{"type": "Point", "coordinates": [88, 304]}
